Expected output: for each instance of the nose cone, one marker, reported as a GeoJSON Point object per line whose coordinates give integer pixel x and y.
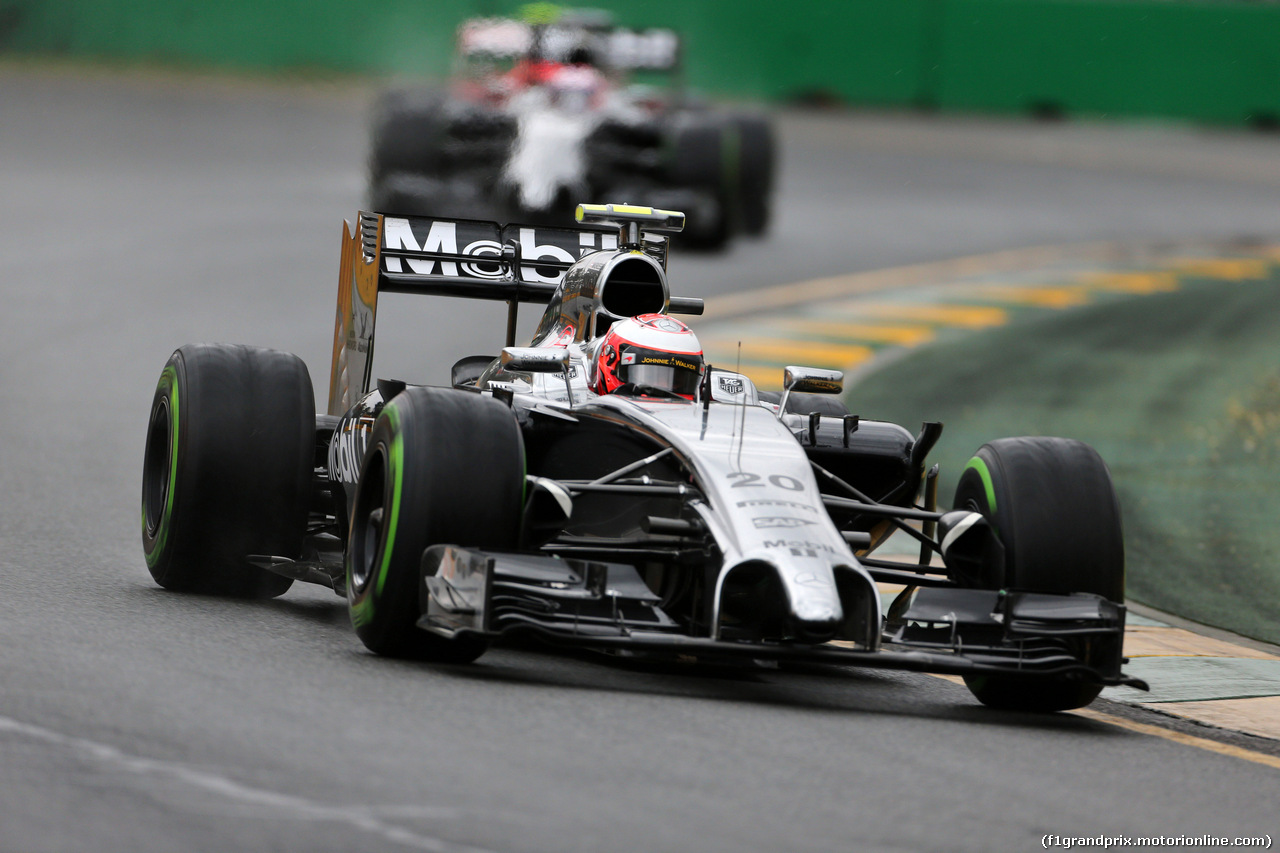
{"type": "Point", "coordinates": [785, 600]}
{"type": "Point", "coordinates": [815, 630]}
{"type": "Point", "coordinates": [816, 614]}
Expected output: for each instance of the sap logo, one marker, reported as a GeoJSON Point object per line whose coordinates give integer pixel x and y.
{"type": "Point", "coordinates": [790, 504]}
{"type": "Point", "coordinates": [768, 521]}
{"type": "Point", "coordinates": [346, 451]}
{"type": "Point", "coordinates": [731, 385]}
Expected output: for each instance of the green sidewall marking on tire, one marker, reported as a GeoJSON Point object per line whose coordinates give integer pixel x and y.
{"type": "Point", "coordinates": [978, 465]}
{"type": "Point", "coordinates": [362, 608]}
{"type": "Point", "coordinates": [397, 465]}
{"type": "Point", "coordinates": [170, 376]}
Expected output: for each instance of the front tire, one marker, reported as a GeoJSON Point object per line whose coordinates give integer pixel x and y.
{"type": "Point", "coordinates": [1054, 509]}
{"type": "Point", "coordinates": [443, 467]}
{"type": "Point", "coordinates": [227, 469]}
{"type": "Point", "coordinates": [1031, 695]}
{"type": "Point", "coordinates": [1052, 504]}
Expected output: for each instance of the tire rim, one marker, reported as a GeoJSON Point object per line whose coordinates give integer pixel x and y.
{"type": "Point", "coordinates": [367, 521]}
{"type": "Point", "coordinates": [159, 453]}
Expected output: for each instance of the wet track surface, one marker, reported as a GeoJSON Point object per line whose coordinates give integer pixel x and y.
{"type": "Point", "coordinates": [145, 212]}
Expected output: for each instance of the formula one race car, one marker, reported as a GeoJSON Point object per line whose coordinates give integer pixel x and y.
{"type": "Point", "coordinates": [605, 488]}
{"type": "Point", "coordinates": [540, 114]}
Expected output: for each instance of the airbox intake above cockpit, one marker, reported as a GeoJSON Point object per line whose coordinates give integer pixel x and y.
{"type": "Point", "coordinates": [601, 288]}
{"type": "Point", "coordinates": [633, 285]}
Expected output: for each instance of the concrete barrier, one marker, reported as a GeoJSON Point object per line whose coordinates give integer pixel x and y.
{"type": "Point", "coordinates": [1206, 60]}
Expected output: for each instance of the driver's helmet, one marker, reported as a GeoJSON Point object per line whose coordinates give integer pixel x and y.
{"type": "Point", "coordinates": [651, 351]}
{"type": "Point", "coordinates": [576, 87]}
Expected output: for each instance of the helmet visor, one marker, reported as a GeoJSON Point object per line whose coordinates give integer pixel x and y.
{"type": "Point", "coordinates": [676, 373]}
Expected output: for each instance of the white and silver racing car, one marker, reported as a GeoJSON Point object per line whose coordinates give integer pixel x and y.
{"type": "Point", "coordinates": [543, 112]}
{"type": "Point", "coordinates": [605, 490]}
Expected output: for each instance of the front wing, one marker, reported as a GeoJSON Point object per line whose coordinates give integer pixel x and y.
{"type": "Point", "coordinates": [929, 629]}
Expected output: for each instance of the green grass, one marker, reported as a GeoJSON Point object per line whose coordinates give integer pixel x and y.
{"type": "Point", "coordinates": [1179, 392]}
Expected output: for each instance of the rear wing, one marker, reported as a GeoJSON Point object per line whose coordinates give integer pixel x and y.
{"type": "Point", "coordinates": [447, 257]}
{"type": "Point", "coordinates": [617, 48]}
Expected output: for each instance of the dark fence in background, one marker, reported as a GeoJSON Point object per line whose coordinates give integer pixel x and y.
{"type": "Point", "coordinates": [1205, 60]}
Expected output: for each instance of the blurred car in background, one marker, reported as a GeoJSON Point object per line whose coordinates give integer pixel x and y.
{"type": "Point", "coordinates": [561, 106]}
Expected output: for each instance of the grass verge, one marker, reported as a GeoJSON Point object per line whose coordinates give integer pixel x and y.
{"type": "Point", "coordinates": [1179, 392]}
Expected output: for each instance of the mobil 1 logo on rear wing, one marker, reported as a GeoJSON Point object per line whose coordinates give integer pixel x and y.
{"type": "Point", "coordinates": [486, 250]}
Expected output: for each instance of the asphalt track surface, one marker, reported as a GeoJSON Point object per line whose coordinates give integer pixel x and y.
{"type": "Point", "coordinates": [142, 212]}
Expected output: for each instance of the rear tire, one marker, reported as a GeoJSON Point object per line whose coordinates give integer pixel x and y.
{"type": "Point", "coordinates": [227, 470]}
{"type": "Point", "coordinates": [1053, 507]}
{"type": "Point", "coordinates": [443, 467]}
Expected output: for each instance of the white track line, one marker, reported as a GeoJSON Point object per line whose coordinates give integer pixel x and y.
{"type": "Point", "coordinates": [361, 817]}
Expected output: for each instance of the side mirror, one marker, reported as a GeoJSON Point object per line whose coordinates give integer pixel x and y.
{"type": "Point", "coordinates": [535, 359]}
{"type": "Point", "coordinates": [540, 360]}
{"type": "Point", "coordinates": [809, 380]}
{"type": "Point", "coordinates": [812, 380]}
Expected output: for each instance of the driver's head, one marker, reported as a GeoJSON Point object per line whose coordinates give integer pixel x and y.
{"type": "Point", "coordinates": [653, 351]}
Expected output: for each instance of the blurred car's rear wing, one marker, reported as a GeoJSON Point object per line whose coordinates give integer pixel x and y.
{"type": "Point", "coordinates": [446, 257]}
{"type": "Point", "coordinates": [570, 39]}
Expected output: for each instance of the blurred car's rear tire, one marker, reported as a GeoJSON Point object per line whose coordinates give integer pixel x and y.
{"type": "Point", "coordinates": [1053, 507]}
{"type": "Point", "coordinates": [406, 193]}
{"type": "Point", "coordinates": [419, 195]}
{"type": "Point", "coordinates": [227, 469]}
{"type": "Point", "coordinates": [443, 466]}
{"type": "Point", "coordinates": [702, 154]}
{"type": "Point", "coordinates": [408, 129]}
{"type": "Point", "coordinates": [756, 158]}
